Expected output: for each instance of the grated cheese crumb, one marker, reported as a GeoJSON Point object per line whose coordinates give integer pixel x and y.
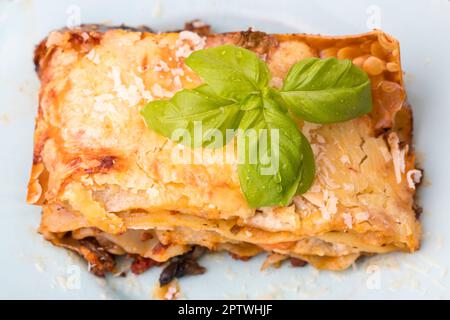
{"type": "Point", "coordinates": [398, 156]}
{"type": "Point", "coordinates": [85, 36]}
{"type": "Point", "coordinates": [345, 159]}
{"type": "Point", "coordinates": [161, 66]}
{"type": "Point", "coordinates": [307, 127]}
{"type": "Point", "coordinates": [171, 293]}
{"type": "Point", "coordinates": [198, 24]}
{"type": "Point", "coordinates": [197, 41]}
{"type": "Point", "coordinates": [103, 106]}
{"type": "Point", "coordinates": [93, 56]}
{"type": "Point", "coordinates": [160, 91]}
{"type": "Point", "coordinates": [320, 139]}
{"type": "Point", "coordinates": [183, 52]}
{"type": "Point", "coordinates": [329, 206]}
{"type": "Point", "coordinates": [348, 219]}
{"type": "Point", "coordinates": [177, 72]}
{"type": "Point", "coordinates": [141, 88]}
{"type": "Point", "coordinates": [130, 94]}
{"type": "Point", "coordinates": [413, 177]}
{"type": "Point", "coordinates": [177, 82]}
{"type": "Point", "coordinates": [300, 203]}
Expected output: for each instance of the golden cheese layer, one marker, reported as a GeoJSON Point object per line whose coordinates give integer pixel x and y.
{"type": "Point", "coordinates": [98, 171]}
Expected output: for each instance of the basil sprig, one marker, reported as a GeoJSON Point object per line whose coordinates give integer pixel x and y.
{"type": "Point", "coordinates": [236, 96]}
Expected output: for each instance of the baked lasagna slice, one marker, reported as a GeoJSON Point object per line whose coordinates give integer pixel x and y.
{"type": "Point", "coordinates": [108, 186]}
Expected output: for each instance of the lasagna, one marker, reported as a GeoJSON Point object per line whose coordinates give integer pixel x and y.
{"type": "Point", "coordinates": [108, 186]}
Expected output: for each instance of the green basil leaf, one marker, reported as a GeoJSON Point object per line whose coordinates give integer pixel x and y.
{"type": "Point", "coordinates": [327, 90]}
{"type": "Point", "coordinates": [270, 166]}
{"type": "Point", "coordinates": [308, 167]}
{"type": "Point", "coordinates": [194, 117]}
{"type": "Point", "coordinates": [251, 102]}
{"type": "Point", "coordinates": [275, 96]}
{"type": "Point", "coordinates": [232, 72]}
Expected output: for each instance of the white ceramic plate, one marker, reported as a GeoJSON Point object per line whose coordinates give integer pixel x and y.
{"type": "Point", "coordinates": [32, 268]}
